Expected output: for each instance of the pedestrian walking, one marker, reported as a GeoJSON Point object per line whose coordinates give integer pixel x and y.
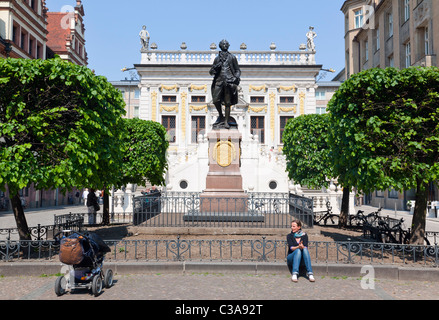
{"type": "Point", "coordinates": [84, 196]}
{"type": "Point", "coordinates": [93, 206]}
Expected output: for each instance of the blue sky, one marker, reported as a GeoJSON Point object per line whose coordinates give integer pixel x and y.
{"type": "Point", "coordinates": [113, 26]}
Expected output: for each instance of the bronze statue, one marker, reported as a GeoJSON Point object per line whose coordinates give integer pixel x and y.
{"type": "Point", "coordinates": [227, 75]}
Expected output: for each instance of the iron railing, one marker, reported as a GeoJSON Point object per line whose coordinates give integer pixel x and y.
{"type": "Point", "coordinates": [74, 222]}
{"type": "Point", "coordinates": [254, 210]}
{"type": "Point", "coordinates": [261, 250]}
{"type": "Point", "coordinates": [302, 208]}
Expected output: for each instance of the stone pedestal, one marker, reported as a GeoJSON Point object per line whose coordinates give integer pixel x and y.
{"type": "Point", "coordinates": [224, 198]}
{"type": "Point", "coordinates": [224, 192]}
{"type": "Point", "coordinates": [224, 162]}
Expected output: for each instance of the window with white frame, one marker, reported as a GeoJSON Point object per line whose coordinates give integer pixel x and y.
{"type": "Point", "coordinates": [390, 24]}
{"type": "Point", "coordinates": [257, 127]}
{"type": "Point", "coordinates": [282, 124]}
{"type": "Point", "coordinates": [254, 99]}
{"type": "Point", "coordinates": [286, 99]}
{"type": "Point", "coordinates": [426, 42]}
{"type": "Point", "coordinates": [320, 110]}
{"type": "Point", "coordinates": [391, 61]}
{"type": "Point", "coordinates": [198, 125]}
{"type": "Point", "coordinates": [408, 55]}
{"type": "Point", "coordinates": [377, 39]}
{"type": "Point", "coordinates": [169, 98]}
{"type": "Point", "coordinates": [198, 99]}
{"type": "Point", "coordinates": [393, 193]}
{"type": "Point", "coordinates": [169, 123]}
{"type": "Point", "coordinates": [358, 18]}
{"type": "Point", "coordinates": [366, 51]}
{"type": "Point", "coordinates": [406, 14]}
{"type": "Point", "coordinates": [320, 95]}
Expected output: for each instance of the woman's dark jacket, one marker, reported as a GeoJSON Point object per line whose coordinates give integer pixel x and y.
{"type": "Point", "coordinates": [291, 240]}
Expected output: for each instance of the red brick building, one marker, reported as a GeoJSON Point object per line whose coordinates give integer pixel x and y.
{"type": "Point", "coordinates": [29, 31]}
{"type": "Point", "coordinates": [66, 34]}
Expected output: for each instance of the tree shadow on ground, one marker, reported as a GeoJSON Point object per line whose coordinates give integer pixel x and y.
{"type": "Point", "coordinates": [341, 235]}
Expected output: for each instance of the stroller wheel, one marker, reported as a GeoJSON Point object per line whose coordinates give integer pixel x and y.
{"type": "Point", "coordinates": [108, 278]}
{"type": "Point", "coordinates": [60, 286]}
{"type": "Point", "coordinates": [96, 286]}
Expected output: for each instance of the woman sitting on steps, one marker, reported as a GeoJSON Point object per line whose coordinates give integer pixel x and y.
{"type": "Point", "coordinates": [298, 251]}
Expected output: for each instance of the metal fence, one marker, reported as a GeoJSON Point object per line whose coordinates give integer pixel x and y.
{"type": "Point", "coordinates": [302, 208]}
{"type": "Point", "coordinates": [261, 250]}
{"type": "Point", "coordinates": [70, 221]}
{"type": "Point", "coordinates": [254, 210]}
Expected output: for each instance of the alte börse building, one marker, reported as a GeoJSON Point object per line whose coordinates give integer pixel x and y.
{"type": "Point", "coordinates": [175, 90]}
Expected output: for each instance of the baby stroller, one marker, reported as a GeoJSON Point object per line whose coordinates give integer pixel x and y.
{"type": "Point", "coordinates": [83, 255]}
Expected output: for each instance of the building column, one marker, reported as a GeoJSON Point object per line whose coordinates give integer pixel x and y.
{"type": "Point", "coordinates": [272, 117]}
{"type": "Point", "coordinates": [184, 117]}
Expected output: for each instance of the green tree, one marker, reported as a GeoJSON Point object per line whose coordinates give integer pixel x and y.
{"type": "Point", "coordinates": [385, 133]}
{"type": "Point", "coordinates": [145, 147]}
{"type": "Point", "coordinates": [309, 156]}
{"type": "Point", "coordinates": [59, 127]}
{"type": "Point", "coordinates": [306, 150]}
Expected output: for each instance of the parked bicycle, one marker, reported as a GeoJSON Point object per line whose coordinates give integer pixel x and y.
{"type": "Point", "coordinates": [360, 219]}
{"type": "Point", "coordinates": [325, 216]}
{"type": "Point", "coordinates": [396, 233]}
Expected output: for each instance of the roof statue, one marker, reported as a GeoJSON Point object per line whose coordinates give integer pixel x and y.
{"type": "Point", "coordinates": [144, 38]}
{"type": "Point", "coordinates": [311, 35]}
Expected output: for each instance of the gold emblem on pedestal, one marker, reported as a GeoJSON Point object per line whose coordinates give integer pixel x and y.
{"type": "Point", "coordinates": [224, 153]}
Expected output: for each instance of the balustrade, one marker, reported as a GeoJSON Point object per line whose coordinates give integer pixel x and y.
{"type": "Point", "coordinates": [244, 57]}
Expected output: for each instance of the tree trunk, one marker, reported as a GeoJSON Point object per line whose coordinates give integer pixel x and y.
{"type": "Point", "coordinates": [344, 213]}
{"type": "Point", "coordinates": [20, 218]}
{"type": "Point", "coordinates": [106, 209]}
{"type": "Point", "coordinates": [420, 215]}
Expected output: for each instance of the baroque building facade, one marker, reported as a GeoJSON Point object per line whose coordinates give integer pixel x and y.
{"type": "Point", "coordinates": [175, 90]}
{"type": "Point", "coordinates": [391, 33]}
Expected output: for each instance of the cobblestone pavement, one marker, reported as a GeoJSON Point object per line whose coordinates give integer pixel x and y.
{"type": "Point", "coordinates": [211, 287]}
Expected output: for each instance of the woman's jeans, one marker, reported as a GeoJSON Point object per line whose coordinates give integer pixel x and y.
{"type": "Point", "coordinates": [295, 258]}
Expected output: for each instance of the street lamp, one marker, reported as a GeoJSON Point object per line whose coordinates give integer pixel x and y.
{"type": "Point", "coordinates": [324, 74]}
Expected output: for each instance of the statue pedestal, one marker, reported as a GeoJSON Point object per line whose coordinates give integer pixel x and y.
{"type": "Point", "coordinates": [224, 199]}
{"type": "Point", "coordinates": [224, 161]}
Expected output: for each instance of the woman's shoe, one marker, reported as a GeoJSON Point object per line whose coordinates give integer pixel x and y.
{"type": "Point", "coordinates": [294, 278]}
{"type": "Point", "coordinates": [311, 278]}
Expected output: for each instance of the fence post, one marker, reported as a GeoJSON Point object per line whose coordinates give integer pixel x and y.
{"type": "Point", "coordinates": [264, 258]}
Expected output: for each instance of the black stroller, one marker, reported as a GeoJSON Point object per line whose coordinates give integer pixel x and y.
{"type": "Point", "coordinates": [82, 255]}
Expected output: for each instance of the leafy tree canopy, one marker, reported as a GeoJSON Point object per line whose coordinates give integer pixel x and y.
{"type": "Point", "coordinates": [385, 128]}
{"type": "Point", "coordinates": [307, 151]}
{"type": "Point", "coordinates": [145, 148]}
{"type": "Point", "coordinates": [59, 125]}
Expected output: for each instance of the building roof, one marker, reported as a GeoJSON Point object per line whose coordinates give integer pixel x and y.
{"type": "Point", "coordinates": [56, 39]}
